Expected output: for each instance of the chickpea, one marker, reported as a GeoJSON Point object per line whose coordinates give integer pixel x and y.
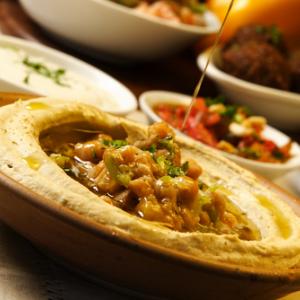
{"type": "Point", "coordinates": [165, 189]}
{"type": "Point", "coordinates": [204, 218]}
{"type": "Point", "coordinates": [128, 154]}
{"type": "Point", "coordinates": [160, 131]}
{"type": "Point", "coordinates": [187, 190]}
{"type": "Point", "coordinates": [149, 209]}
{"type": "Point", "coordinates": [106, 183]}
{"type": "Point", "coordinates": [194, 170]}
{"type": "Point", "coordinates": [96, 170]}
{"type": "Point", "coordinates": [229, 219]}
{"type": "Point", "coordinates": [219, 202]}
{"type": "Point", "coordinates": [142, 186]}
{"type": "Point", "coordinates": [89, 151]}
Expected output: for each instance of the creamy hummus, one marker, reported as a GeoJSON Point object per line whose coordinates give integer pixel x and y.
{"type": "Point", "coordinates": [23, 159]}
{"type": "Point", "coordinates": [44, 77]}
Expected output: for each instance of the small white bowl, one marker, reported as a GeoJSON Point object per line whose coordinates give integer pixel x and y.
{"type": "Point", "coordinates": [281, 108]}
{"type": "Point", "coordinates": [111, 96]}
{"type": "Point", "coordinates": [269, 170]}
{"type": "Point", "coordinates": [114, 29]}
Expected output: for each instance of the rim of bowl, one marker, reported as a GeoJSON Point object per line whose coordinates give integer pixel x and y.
{"type": "Point", "coordinates": [83, 223]}
{"type": "Point", "coordinates": [32, 46]}
{"type": "Point", "coordinates": [216, 74]}
{"type": "Point", "coordinates": [212, 27]}
{"type": "Point", "coordinates": [182, 98]}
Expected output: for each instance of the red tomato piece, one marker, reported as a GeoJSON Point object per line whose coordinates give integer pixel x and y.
{"type": "Point", "coordinates": [269, 145]}
{"type": "Point", "coordinates": [212, 119]}
{"type": "Point", "coordinates": [202, 134]}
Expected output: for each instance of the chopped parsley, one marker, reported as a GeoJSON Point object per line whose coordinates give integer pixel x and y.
{"type": "Point", "coordinates": [26, 79]}
{"type": "Point", "coordinates": [152, 149]}
{"type": "Point", "coordinates": [43, 70]}
{"type": "Point", "coordinates": [115, 143]}
{"type": "Point", "coordinates": [230, 111]}
{"type": "Point", "coordinates": [251, 153]}
{"type": "Point", "coordinates": [167, 143]}
{"type": "Point", "coordinates": [216, 100]}
{"type": "Point", "coordinates": [172, 171]}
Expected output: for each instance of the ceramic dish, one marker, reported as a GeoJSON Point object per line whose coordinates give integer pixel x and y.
{"type": "Point", "coordinates": [22, 62]}
{"type": "Point", "coordinates": [134, 36]}
{"type": "Point", "coordinates": [281, 108]}
{"type": "Point", "coordinates": [269, 170]}
{"type": "Point", "coordinates": [129, 262]}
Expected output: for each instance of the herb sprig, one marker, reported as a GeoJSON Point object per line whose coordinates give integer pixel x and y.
{"type": "Point", "coordinates": [43, 70]}
{"type": "Point", "coordinates": [115, 143]}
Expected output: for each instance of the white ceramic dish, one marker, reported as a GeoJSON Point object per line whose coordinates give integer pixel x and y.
{"type": "Point", "coordinates": [113, 96]}
{"type": "Point", "coordinates": [269, 170]}
{"type": "Point", "coordinates": [281, 108]}
{"type": "Point", "coordinates": [114, 29]}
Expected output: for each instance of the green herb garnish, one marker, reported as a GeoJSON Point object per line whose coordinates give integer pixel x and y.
{"type": "Point", "coordinates": [167, 143]}
{"type": "Point", "coordinates": [115, 143]}
{"type": "Point", "coordinates": [174, 171]}
{"type": "Point", "coordinates": [216, 100]}
{"type": "Point", "coordinates": [41, 69]}
{"type": "Point", "coordinates": [277, 154]}
{"type": "Point", "coordinates": [152, 149]}
{"type": "Point", "coordinates": [26, 79]}
{"type": "Point", "coordinates": [113, 168]}
{"type": "Point", "coordinates": [230, 111]}
{"type": "Point", "coordinates": [170, 169]}
{"type": "Point", "coordinates": [60, 160]}
{"type": "Point", "coordinates": [249, 152]}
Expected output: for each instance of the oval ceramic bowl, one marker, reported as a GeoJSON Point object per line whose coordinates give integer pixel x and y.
{"type": "Point", "coordinates": [121, 98]}
{"type": "Point", "coordinates": [115, 30]}
{"type": "Point", "coordinates": [131, 263]}
{"type": "Point", "coordinates": [281, 108]}
{"type": "Point", "coordinates": [269, 170]}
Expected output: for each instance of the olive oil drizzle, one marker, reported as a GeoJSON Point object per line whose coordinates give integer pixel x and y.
{"type": "Point", "coordinates": [199, 84]}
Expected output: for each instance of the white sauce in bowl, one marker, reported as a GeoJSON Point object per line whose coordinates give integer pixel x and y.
{"type": "Point", "coordinates": [47, 78]}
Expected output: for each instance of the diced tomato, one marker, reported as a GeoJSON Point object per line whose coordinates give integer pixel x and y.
{"type": "Point", "coordinates": [200, 105]}
{"type": "Point", "coordinates": [180, 111]}
{"type": "Point", "coordinates": [202, 134]}
{"type": "Point", "coordinates": [246, 141]}
{"type": "Point", "coordinates": [269, 145]}
{"type": "Point", "coordinates": [165, 115]}
{"type": "Point", "coordinates": [211, 119]}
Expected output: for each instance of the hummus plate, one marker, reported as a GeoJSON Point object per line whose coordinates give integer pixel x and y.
{"type": "Point", "coordinates": [227, 230]}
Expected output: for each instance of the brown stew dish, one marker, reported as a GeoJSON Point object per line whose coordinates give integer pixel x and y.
{"type": "Point", "coordinates": [147, 178]}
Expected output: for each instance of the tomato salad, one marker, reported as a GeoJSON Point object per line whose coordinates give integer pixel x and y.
{"type": "Point", "coordinates": [227, 127]}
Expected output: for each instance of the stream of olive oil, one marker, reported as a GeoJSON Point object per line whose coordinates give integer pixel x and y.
{"type": "Point", "coordinates": [199, 84]}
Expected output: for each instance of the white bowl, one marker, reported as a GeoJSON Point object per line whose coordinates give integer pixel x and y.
{"type": "Point", "coordinates": [281, 108]}
{"type": "Point", "coordinates": [114, 29]}
{"type": "Point", "coordinates": [269, 170]}
{"type": "Point", "coordinates": [111, 95]}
